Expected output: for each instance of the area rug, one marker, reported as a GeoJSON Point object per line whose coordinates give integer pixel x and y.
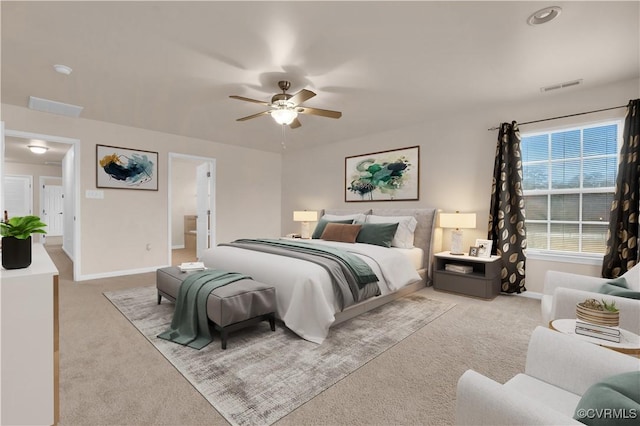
{"type": "Point", "coordinates": [263, 375]}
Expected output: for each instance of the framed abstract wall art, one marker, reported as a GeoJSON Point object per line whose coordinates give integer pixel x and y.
{"type": "Point", "coordinates": [124, 168]}
{"type": "Point", "coordinates": [392, 175]}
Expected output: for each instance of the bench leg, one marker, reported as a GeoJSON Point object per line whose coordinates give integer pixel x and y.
{"type": "Point", "coordinates": [159, 298]}
{"type": "Point", "coordinates": [223, 338]}
{"type": "Point", "coordinates": [272, 321]}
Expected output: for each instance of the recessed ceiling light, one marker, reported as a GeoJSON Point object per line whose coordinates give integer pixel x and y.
{"type": "Point", "coordinates": [38, 149]}
{"type": "Point", "coordinates": [62, 69]}
{"type": "Point", "coordinates": [544, 15]}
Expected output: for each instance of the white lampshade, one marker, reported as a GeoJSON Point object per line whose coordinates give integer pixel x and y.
{"type": "Point", "coordinates": [305, 216]}
{"type": "Point", "coordinates": [457, 220]}
{"type": "Point", "coordinates": [284, 115]}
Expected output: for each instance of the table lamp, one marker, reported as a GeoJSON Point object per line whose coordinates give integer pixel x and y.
{"type": "Point", "coordinates": [457, 221]}
{"type": "Point", "coordinates": [305, 217]}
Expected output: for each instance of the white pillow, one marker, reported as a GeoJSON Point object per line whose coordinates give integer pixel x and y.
{"type": "Point", "coordinates": [406, 227]}
{"type": "Point", "coordinates": [357, 217]}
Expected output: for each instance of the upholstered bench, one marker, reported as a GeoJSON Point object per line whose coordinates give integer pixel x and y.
{"type": "Point", "coordinates": [230, 307]}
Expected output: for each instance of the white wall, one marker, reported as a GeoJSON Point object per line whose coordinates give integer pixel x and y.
{"type": "Point", "coordinates": [115, 230]}
{"type": "Point", "coordinates": [456, 165]}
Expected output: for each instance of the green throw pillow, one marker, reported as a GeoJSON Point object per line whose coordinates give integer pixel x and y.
{"type": "Point", "coordinates": [614, 290]}
{"type": "Point", "coordinates": [322, 223]}
{"type": "Point", "coordinates": [613, 401]}
{"type": "Point", "coordinates": [380, 234]}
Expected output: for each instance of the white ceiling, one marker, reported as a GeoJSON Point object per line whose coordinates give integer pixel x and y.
{"type": "Point", "coordinates": [171, 66]}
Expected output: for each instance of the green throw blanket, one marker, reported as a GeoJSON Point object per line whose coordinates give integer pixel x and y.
{"type": "Point", "coordinates": [359, 268]}
{"type": "Point", "coordinates": [190, 325]}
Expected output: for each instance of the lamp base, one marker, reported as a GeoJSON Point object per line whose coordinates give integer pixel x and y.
{"type": "Point", "coordinates": [304, 231]}
{"type": "Point", "coordinates": [456, 242]}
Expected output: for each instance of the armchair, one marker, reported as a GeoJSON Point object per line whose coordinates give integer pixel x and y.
{"type": "Point", "coordinates": [559, 369]}
{"type": "Point", "coordinates": [562, 291]}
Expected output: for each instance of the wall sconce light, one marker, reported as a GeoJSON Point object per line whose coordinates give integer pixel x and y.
{"type": "Point", "coordinates": [457, 221]}
{"type": "Point", "coordinates": [305, 217]}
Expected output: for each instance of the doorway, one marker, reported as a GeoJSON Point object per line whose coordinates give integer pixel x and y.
{"type": "Point", "coordinates": [191, 207]}
{"type": "Point", "coordinates": [13, 145]}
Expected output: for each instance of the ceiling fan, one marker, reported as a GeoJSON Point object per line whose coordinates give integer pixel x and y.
{"type": "Point", "coordinates": [285, 107]}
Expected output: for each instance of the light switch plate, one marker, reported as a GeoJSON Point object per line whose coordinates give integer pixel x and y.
{"type": "Point", "coordinates": [94, 193]}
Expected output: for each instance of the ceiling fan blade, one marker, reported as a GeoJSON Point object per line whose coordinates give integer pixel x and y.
{"type": "Point", "coordinates": [242, 98]}
{"type": "Point", "coordinates": [253, 116]}
{"type": "Point", "coordinates": [295, 123]}
{"type": "Point", "coordinates": [320, 112]}
{"type": "Point", "coordinates": [301, 96]}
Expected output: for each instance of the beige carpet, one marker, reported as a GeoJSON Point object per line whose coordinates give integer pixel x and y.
{"type": "Point", "coordinates": [111, 375]}
{"type": "Point", "coordinates": [263, 375]}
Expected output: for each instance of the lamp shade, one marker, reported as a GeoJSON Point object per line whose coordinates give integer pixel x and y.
{"type": "Point", "coordinates": [457, 220]}
{"type": "Point", "coordinates": [284, 115]}
{"type": "Point", "coordinates": [305, 216]}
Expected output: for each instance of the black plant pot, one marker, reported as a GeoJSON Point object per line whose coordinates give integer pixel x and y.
{"type": "Point", "coordinates": [16, 254]}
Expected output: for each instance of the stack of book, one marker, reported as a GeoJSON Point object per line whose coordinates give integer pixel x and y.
{"type": "Point", "coordinates": [463, 269]}
{"type": "Point", "coordinates": [611, 334]}
{"type": "Point", "coordinates": [191, 266]}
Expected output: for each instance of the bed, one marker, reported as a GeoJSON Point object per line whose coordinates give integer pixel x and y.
{"type": "Point", "coordinates": [306, 300]}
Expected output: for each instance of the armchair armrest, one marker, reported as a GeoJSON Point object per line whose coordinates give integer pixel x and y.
{"type": "Point", "coordinates": [565, 300]}
{"type": "Point", "coordinates": [556, 279]}
{"type": "Point", "coordinates": [572, 364]}
{"type": "Point", "coordinates": [482, 401]}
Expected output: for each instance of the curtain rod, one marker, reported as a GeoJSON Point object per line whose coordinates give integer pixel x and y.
{"type": "Point", "coordinates": [563, 116]}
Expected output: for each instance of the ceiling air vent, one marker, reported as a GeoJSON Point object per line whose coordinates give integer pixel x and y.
{"type": "Point", "coordinates": [54, 107]}
{"type": "Point", "coordinates": [561, 85]}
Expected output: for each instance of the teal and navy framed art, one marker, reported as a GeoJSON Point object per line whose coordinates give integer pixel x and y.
{"type": "Point", "coordinates": [124, 168]}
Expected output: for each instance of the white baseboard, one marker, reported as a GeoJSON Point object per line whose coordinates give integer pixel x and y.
{"type": "Point", "coordinates": [119, 273]}
{"type": "Point", "coordinates": [177, 247]}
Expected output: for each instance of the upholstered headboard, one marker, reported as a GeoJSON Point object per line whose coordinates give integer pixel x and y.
{"type": "Point", "coordinates": [423, 235]}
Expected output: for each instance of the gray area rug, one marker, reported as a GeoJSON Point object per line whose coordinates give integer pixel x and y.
{"type": "Point", "coordinates": [264, 375]}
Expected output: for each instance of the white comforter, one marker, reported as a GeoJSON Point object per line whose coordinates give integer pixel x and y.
{"type": "Point", "coordinates": [304, 292]}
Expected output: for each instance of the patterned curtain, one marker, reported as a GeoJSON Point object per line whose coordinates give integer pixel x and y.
{"type": "Point", "coordinates": [622, 238]}
{"type": "Point", "coordinates": [507, 213]}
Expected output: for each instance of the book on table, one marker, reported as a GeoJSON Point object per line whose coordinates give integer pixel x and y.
{"type": "Point", "coordinates": [463, 269]}
{"type": "Point", "coordinates": [615, 331]}
{"type": "Point", "coordinates": [598, 335]}
{"type": "Point", "coordinates": [191, 266]}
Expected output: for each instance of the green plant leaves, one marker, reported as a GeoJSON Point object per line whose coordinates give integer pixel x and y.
{"type": "Point", "coordinates": [21, 227]}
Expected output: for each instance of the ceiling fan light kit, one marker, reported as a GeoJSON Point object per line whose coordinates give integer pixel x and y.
{"type": "Point", "coordinates": [284, 116]}
{"type": "Point", "coordinates": [286, 107]}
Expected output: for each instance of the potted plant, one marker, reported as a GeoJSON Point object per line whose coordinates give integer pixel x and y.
{"type": "Point", "coordinates": [16, 240]}
{"type": "Point", "coordinates": [595, 312]}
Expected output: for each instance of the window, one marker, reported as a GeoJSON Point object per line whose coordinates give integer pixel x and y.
{"type": "Point", "coordinates": [569, 177]}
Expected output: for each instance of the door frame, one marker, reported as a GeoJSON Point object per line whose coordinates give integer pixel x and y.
{"type": "Point", "coordinates": [212, 198]}
{"type": "Point", "coordinates": [75, 145]}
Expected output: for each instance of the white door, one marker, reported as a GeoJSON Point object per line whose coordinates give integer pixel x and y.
{"type": "Point", "coordinates": [203, 178]}
{"type": "Point", "coordinates": [18, 195]}
{"type": "Point", "coordinates": [52, 210]}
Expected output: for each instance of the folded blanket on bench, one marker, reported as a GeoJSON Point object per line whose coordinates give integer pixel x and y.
{"type": "Point", "coordinates": [190, 325]}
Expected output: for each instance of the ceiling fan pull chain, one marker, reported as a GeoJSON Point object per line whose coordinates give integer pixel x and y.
{"type": "Point", "coordinates": [284, 145]}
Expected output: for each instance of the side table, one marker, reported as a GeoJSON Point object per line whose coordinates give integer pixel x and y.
{"type": "Point", "coordinates": [629, 342]}
{"type": "Point", "coordinates": [483, 280]}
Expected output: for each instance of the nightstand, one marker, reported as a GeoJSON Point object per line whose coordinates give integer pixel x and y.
{"type": "Point", "coordinates": [483, 280]}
